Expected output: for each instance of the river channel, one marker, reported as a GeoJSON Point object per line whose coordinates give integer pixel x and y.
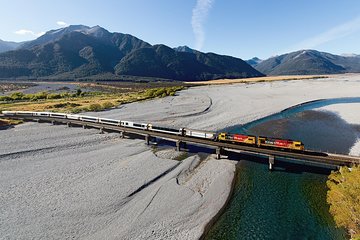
{"type": "Point", "coordinates": [289, 202]}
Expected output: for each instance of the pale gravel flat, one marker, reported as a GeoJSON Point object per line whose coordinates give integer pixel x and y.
{"type": "Point", "coordinates": [350, 112]}
{"type": "Point", "coordinates": [61, 183]}
{"type": "Point", "coordinates": [355, 150]}
{"type": "Point", "coordinates": [216, 107]}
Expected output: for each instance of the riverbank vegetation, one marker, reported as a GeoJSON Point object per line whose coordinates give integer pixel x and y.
{"type": "Point", "coordinates": [344, 199]}
{"type": "Point", "coordinates": [80, 101]}
{"type": "Point", "coordinates": [257, 79]}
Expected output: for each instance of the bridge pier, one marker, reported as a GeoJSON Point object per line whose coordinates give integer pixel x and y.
{"type": "Point", "coordinates": [271, 161]}
{"type": "Point", "coordinates": [147, 139]}
{"type": "Point", "coordinates": [178, 145]}
{"type": "Point", "coordinates": [218, 152]}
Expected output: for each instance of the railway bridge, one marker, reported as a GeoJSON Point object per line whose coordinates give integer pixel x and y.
{"type": "Point", "coordinates": [327, 160]}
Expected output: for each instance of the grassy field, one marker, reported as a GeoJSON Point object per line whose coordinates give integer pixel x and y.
{"type": "Point", "coordinates": [77, 102]}
{"type": "Point", "coordinates": [257, 79]}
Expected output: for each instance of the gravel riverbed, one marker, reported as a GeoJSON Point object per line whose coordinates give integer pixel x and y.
{"type": "Point", "coordinates": [60, 183]}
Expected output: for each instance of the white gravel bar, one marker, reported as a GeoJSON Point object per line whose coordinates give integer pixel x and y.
{"type": "Point", "coordinates": [61, 183]}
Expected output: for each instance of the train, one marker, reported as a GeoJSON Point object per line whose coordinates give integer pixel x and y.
{"type": "Point", "coordinates": [263, 142]}
{"type": "Point", "coordinates": [248, 140]}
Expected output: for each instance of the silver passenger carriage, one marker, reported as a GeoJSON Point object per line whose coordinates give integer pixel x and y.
{"type": "Point", "coordinates": [41, 114]}
{"type": "Point", "coordinates": [73, 116]}
{"type": "Point", "coordinates": [110, 121]}
{"type": "Point", "coordinates": [58, 115]}
{"type": "Point", "coordinates": [129, 124]}
{"type": "Point", "coordinates": [18, 113]}
{"type": "Point", "coordinates": [199, 134]}
{"type": "Point", "coordinates": [9, 113]}
{"type": "Point", "coordinates": [89, 119]}
{"type": "Point", "coordinates": [164, 129]}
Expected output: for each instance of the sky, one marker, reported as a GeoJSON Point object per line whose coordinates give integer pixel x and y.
{"type": "Point", "coordinates": [239, 28]}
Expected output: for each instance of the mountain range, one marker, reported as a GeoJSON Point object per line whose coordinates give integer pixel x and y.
{"type": "Point", "coordinates": [79, 51]}
{"type": "Point", "coordinates": [308, 62]}
{"type": "Point", "coordinates": [8, 46]}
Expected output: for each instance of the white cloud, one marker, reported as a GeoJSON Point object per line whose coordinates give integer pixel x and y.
{"type": "Point", "coordinates": [199, 14]}
{"type": "Point", "coordinates": [24, 32]}
{"type": "Point", "coordinates": [61, 23]}
{"type": "Point", "coordinates": [334, 33]}
{"type": "Point", "coordinates": [28, 32]}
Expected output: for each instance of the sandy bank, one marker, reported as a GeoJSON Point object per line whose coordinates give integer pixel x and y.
{"type": "Point", "coordinates": [59, 182]}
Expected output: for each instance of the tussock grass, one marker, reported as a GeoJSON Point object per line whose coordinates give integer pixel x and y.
{"type": "Point", "coordinates": [257, 79]}
{"type": "Point", "coordinates": [73, 103]}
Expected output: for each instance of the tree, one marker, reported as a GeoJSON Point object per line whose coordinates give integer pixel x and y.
{"type": "Point", "coordinates": [344, 199]}
{"type": "Point", "coordinates": [78, 92]}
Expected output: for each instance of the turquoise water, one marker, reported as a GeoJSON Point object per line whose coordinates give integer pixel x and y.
{"type": "Point", "coordinates": [289, 202]}
{"type": "Point", "coordinates": [276, 205]}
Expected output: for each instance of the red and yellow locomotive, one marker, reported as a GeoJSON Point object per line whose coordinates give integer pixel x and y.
{"type": "Point", "coordinates": [264, 142]}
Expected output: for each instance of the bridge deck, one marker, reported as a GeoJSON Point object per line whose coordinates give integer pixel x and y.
{"type": "Point", "coordinates": [327, 158]}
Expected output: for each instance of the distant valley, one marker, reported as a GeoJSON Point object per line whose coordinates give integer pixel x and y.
{"type": "Point", "coordinates": [8, 46]}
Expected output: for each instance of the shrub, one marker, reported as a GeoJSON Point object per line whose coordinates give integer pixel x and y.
{"type": "Point", "coordinates": [65, 95]}
{"type": "Point", "coordinates": [160, 92]}
{"type": "Point", "coordinates": [343, 198]}
{"type": "Point", "coordinates": [150, 93]}
{"type": "Point", "coordinates": [66, 104]}
{"type": "Point", "coordinates": [76, 110]}
{"type": "Point", "coordinates": [17, 95]}
{"type": "Point", "coordinates": [107, 105]}
{"type": "Point", "coordinates": [95, 107]}
{"type": "Point", "coordinates": [37, 96]}
{"type": "Point", "coordinates": [78, 92]}
{"type": "Point", "coordinates": [5, 98]}
{"type": "Point", "coordinates": [54, 96]}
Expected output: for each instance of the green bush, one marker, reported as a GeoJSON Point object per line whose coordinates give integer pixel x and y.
{"type": "Point", "coordinates": [160, 92]}
{"type": "Point", "coordinates": [78, 92]}
{"type": "Point", "coordinates": [76, 110]}
{"type": "Point", "coordinates": [66, 104]}
{"type": "Point", "coordinates": [107, 105]}
{"type": "Point", "coordinates": [5, 98]}
{"type": "Point", "coordinates": [54, 96]}
{"type": "Point", "coordinates": [17, 95]}
{"type": "Point", "coordinates": [65, 95]}
{"type": "Point", "coordinates": [150, 92]}
{"type": "Point", "coordinates": [95, 107]}
{"type": "Point", "coordinates": [37, 96]}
